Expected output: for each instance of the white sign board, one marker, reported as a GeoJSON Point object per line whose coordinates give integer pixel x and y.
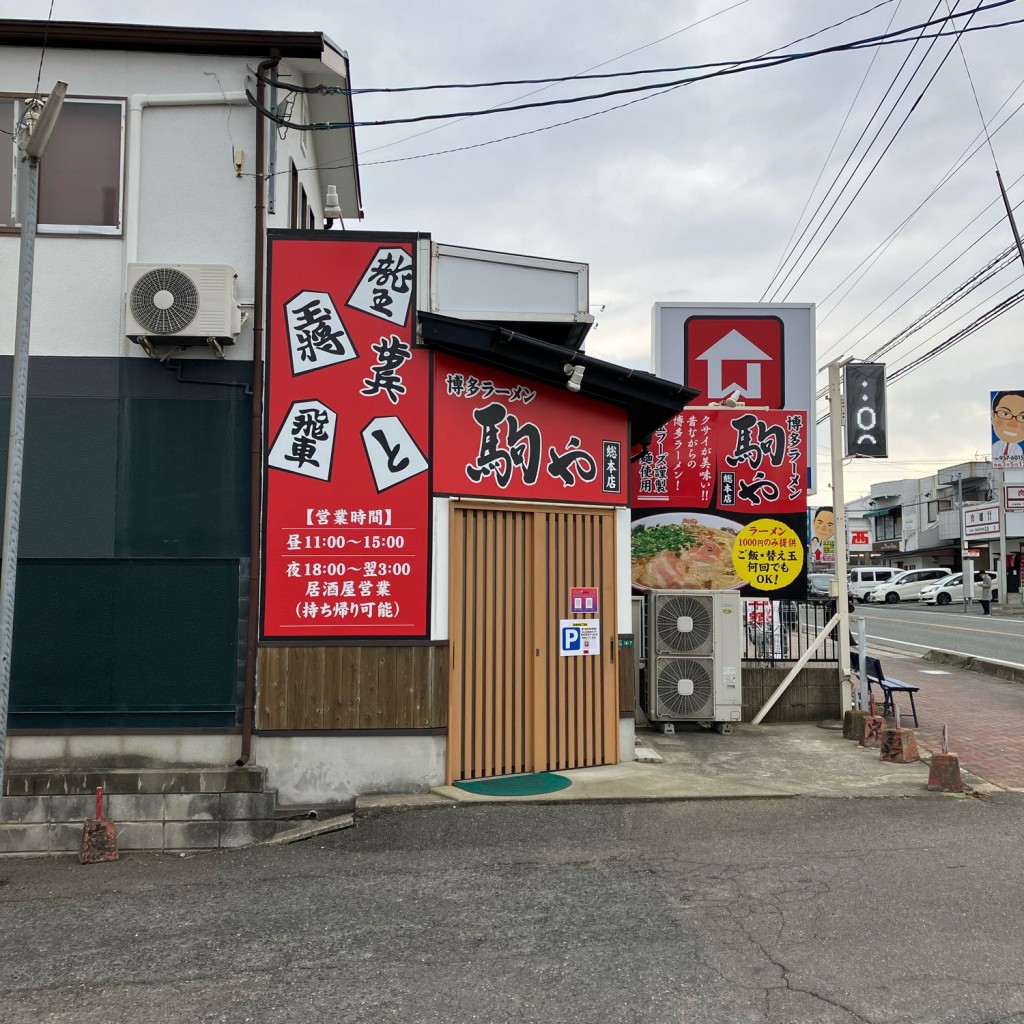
{"type": "Point", "coordinates": [579, 636]}
{"type": "Point", "coordinates": [981, 520]}
{"type": "Point", "coordinates": [761, 353]}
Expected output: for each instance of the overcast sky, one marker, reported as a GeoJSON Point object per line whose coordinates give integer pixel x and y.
{"type": "Point", "coordinates": [694, 195]}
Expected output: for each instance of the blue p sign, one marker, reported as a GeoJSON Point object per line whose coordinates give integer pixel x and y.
{"type": "Point", "coordinates": [572, 639]}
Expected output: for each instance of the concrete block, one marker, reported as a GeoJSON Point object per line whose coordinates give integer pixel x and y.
{"type": "Point", "coordinates": [248, 806]}
{"type": "Point", "coordinates": [233, 780]}
{"type": "Point", "coordinates": [24, 838]}
{"type": "Point", "coordinates": [944, 774]}
{"type": "Point", "coordinates": [874, 727]}
{"type": "Point", "coordinates": [65, 836]}
{"type": "Point", "coordinates": [191, 835]}
{"type": "Point", "coordinates": [853, 724]}
{"type": "Point", "coordinates": [244, 833]}
{"type": "Point", "coordinates": [899, 746]}
{"type": "Point", "coordinates": [191, 807]}
{"type": "Point", "coordinates": [135, 807]}
{"type": "Point", "coordinates": [140, 835]}
{"type": "Point", "coordinates": [24, 808]}
{"type": "Point", "coordinates": [72, 808]}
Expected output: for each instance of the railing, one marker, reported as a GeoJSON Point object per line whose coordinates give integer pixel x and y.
{"type": "Point", "coordinates": [779, 632]}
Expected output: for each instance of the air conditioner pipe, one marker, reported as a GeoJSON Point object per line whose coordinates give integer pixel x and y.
{"type": "Point", "coordinates": [256, 447]}
{"type": "Point", "coordinates": [136, 104]}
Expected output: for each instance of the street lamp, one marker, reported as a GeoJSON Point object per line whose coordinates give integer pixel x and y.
{"type": "Point", "coordinates": [39, 122]}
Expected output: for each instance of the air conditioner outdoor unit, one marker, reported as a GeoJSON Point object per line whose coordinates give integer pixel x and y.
{"type": "Point", "coordinates": [181, 304]}
{"type": "Point", "coordinates": [694, 660]}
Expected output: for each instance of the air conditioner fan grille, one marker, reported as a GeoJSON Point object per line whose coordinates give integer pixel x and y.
{"type": "Point", "coordinates": [675, 705]}
{"type": "Point", "coordinates": [164, 301]}
{"type": "Point", "coordinates": [698, 609]}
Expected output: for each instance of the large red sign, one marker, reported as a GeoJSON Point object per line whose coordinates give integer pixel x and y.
{"type": "Point", "coordinates": [346, 519]}
{"type": "Point", "coordinates": [735, 356]}
{"type": "Point", "coordinates": [504, 436]}
{"type": "Point", "coordinates": [732, 460]}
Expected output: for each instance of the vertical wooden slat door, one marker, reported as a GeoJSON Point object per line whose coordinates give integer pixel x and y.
{"type": "Point", "coordinates": [579, 694]}
{"type": "Point", "coordinates": [515, 705]}
{"type": "Point", "coordinates": [489, 637]}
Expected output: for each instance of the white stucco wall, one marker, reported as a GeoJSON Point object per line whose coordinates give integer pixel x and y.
{"type": "Point", "coordinates": [322, 770]}
{"type": "Point", "coordinates": [192, 207]}
{"type": "Point", "coordinates": [150, 750]}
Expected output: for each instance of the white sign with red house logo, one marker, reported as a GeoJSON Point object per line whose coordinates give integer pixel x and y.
{"type": "Point", "coordinates": [762, 354]}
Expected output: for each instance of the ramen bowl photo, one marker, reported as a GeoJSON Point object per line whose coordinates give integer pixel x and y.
{"type": "Point", "coordinates": [684, 551]}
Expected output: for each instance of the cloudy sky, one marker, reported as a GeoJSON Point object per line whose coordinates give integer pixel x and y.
{"type": "Point", "coordinates": [844, 161]}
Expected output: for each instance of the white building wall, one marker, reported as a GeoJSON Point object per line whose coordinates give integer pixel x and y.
{"type": "Point", "coordinates": [192, 207]}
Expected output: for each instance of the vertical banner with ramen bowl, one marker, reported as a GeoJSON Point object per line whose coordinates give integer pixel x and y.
{"type": "Point", "coordinates": [719, 503]}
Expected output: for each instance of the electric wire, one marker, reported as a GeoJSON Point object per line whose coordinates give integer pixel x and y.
{"type": "Point", "coordinates": [832, 149]}
{"type": "Point", "coordinates": [838, 176]}
{"type": "Point", "coordinates": [610, 60]}
{"type": "Point", "coordinates": [739, 68]}
{"type": "Point", "coordinates": [863, 184]}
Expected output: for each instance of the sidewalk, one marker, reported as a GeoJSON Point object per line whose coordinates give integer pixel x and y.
{"type": "Point", "coordinates": [985, 716]}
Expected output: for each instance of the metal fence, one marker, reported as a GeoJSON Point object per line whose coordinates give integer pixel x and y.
{"type": "Point", "coordinates": [778, 632]}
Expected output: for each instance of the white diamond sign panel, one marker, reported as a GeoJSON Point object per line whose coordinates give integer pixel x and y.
{"type": "Point", "coordinates": [392, 452]}
{"type": "Point", "coordinates": [385, 289]}
{"type": "Point", "coordinates": [316, 335]}
{"type": "Point", "coordinates": [305, 442]}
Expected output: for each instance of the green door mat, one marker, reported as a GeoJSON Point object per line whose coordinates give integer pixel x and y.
{"type": "Point", "coordinates": [517, 785]}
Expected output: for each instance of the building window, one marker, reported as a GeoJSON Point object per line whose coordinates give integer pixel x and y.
{"type": "Point", "coordinates": [887, 528]}
{"type": "Point", "coordinates": [81, 175]}
{"type": "Point", "coordinates": [933, 511]}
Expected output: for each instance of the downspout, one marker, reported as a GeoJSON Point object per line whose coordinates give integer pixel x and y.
{"type": "Point", "coordinates": [256, 446]}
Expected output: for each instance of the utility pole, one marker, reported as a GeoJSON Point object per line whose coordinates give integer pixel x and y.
{"type": "Point", "coordinates": [40, 119]}
{"type": "Point", "coordinates": [835, 425]}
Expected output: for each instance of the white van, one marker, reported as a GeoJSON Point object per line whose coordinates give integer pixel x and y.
{"type": "Point", "coordinates": [863, 581]}
{"type": "Point", "coordinates": [905, 586]}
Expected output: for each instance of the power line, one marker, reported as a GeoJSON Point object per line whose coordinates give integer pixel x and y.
{"type": "Point", "coordinates": [740, 67]}
{"type": "Point", "coordinates": [869, 175]}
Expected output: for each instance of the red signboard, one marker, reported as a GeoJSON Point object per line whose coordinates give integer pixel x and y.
{"type": "Point", "coordinates": [506, 437]}
{"type": "Point", "coordinates": [735, 356]}
{"type": "Point", "coordinates": [732, 460]}
{"type": "Point", "coordinates": [346, 537]}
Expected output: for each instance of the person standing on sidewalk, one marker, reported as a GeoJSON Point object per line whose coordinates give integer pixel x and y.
{"type": "Point", "coordinates": [986, 594]}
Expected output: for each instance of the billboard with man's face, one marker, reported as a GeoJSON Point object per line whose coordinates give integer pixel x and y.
{"type": "Point", "coordinates": [1006, 413]}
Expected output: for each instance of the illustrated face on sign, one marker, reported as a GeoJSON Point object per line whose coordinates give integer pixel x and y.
{"type": "Point", "coordinates": [1008, 416]}
{"type": "Point", "coordinates": [824, 524]}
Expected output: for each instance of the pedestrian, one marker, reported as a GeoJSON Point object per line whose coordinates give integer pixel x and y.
{"type": "Point", "coordinates": [986, 594]}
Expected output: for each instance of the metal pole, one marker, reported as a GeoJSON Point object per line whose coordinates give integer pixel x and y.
{"type": "Point", "coordinates": [16, 443]}
{"type": "Point", "coordinates": [835, 415]}
{"type": "Point", "coordinates": [862, 659]}
{"type": "Point", "coordinates": [1001, 564]}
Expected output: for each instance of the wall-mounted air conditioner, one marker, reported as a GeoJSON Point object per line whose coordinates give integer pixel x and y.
{"type": "Point", "coordinates": [181, 304]}
{"type": "Point", "coordinates": [694, 656]}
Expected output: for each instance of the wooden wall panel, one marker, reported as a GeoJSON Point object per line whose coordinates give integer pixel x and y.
{"type": "Point", "coordinates": [303, 688]}
{"type": "Point", "coordinates": [627, 675]}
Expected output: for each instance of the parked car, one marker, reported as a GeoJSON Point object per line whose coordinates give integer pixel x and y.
{"type": "Point", "coordinates": [818, 587]}
{"type": "Point", "coordinates": [864, 580]}
{"type": "Point", "coordinates": [818, 592]}
{"type": "Point", "coordinates": [951, 588]}
{"type": "Point", "coordinates": [905, 586]}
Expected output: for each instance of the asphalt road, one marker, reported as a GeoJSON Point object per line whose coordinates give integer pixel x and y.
{"type": "Point", "coordinates": [916, 628]}
{"type": "Point", "coordinates": [782, 911]}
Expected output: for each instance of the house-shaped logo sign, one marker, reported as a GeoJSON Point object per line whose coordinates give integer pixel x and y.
{"type": "Point", "coordinates": [741, 356]}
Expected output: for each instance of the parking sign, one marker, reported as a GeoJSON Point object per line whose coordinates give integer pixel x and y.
{"type": "Point", "coordinates": [579, 637]}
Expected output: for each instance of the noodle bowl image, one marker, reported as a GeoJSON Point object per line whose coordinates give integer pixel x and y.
{"type": "Point", "coordinates": [684, 552]}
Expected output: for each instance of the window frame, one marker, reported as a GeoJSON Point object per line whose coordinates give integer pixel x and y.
{"type": "Point", "coordinates": [73, 230]}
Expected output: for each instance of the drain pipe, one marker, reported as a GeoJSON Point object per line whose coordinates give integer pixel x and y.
{"type": "Point", "coordinates": [256, 446]}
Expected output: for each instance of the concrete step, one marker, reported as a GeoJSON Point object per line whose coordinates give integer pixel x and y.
{"type": "Point", "coordinates": [152, 809]}
{"type": "Point", "coordinates": [135, 781]}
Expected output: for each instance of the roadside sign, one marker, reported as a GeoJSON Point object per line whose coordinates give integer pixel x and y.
{"type": "Point", "coordinates": [579, 637]}
{"type": "Point", "coordinates": [761, 353]}
{"type": "Point", "coordinates": [583, 600]}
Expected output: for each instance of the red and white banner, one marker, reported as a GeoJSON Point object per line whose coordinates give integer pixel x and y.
{"type": "Point", "coordinates": [732, 460]}
{"type": "Point", "coordinates": [346, 526]}
{"type": "Point", "coordinates": [501, 436]}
